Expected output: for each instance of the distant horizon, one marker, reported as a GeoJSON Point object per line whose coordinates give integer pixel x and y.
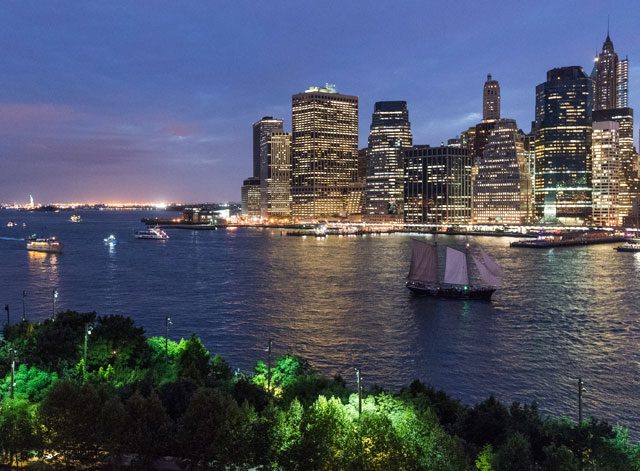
{"type": "Point", "coordinates": [118, 102]}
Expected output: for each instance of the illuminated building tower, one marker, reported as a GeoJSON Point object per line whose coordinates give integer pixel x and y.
{"type": "Point", "coordinates": [622, 83]}
{"type": "Point", "coordinates": [324, 152]}
{"type": "Point", "coordinates": [491, 100]}
{"type": "Point", "coordinates": [279, 176]}
{"type": "Point", "coordinates": [262, 131]}
{"type": "Point", "coordinates": [606, 90]}
{"type": "Point", "coordinates": [502, 186]}
{"type": "Point", "coordinates": [250, 194]}
{"type": "Point", "coordinates": [607, 173]}
{"type": "Point", "coordinates": [389, 136]}
{"type": "Point", "coordinates": [437, 185]}
{"type": "Point", "coordinates": [563, 146]}
{"type": "Point", "coordinates": [629, 181]}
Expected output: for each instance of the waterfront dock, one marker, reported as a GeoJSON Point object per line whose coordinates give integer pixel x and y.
{"type": "Point", "coordinates": [569, 239]}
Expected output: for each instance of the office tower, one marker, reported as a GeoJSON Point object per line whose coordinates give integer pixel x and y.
{"type": "Point", "coordinates": [250, 194]}
{"type": "Point", "coordinates": [629, 181]}
{"type": "Point", "coordinates": [607, 173]}
{"type": "Point", "coordinates": [437, 185]}
{"type": "Point", "coordinates": [362, 165]}
{"type": "Point", "coordinates": [491, 100]}
{"type": "Point", "coordinates": [605, 90]}
{"type": "Point", "coordinates": [262, 131]}
{"type": "Point", "coordinates": [324, 150]}
{"type": "Point", "coordinates": [622, 83]}
{"type": "Point", "coordinates": [389, 136]}
{"type": "Point", "coordinates": [502, 185]}
{"type": "Point", "coordinates": [563, 146]}
{"type": "Point", "coordinates": [279, 176]}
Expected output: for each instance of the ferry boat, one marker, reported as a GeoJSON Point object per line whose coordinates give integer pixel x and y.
{"type": "Point", "coordinates": [41, 244]}
{"type": "Point", "coordinates": [12, 224]}
{"type": "Point", "coordinates": [152, 233]}
{"type": "Point", "coordinates": [424, 277]}
{"type": "Point", "coordinates": [632, 245]}
{"type": "Point", "coordinates": [75, 218]}
{"type": "Point", "coordinates": [111, 240]}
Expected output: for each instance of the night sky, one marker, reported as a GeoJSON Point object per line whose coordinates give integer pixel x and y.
{"type": "Point", "coordinates": [154, 101]}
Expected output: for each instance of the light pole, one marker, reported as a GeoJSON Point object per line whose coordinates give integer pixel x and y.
{"type": "Point", "coordinates": [359, 386]}
{"type": "Point", "coordinates": [54, 298]}
{"type": "Point", "coordinates": [6, 308]}
{"type": "Point", "coordinates": [87, 332]}
{"type": "Point", "coordinates": [167, 323]}
{"type": "Point", "coordinates": [269, 365]}
{"type": "Point", "coordinates": [24, 305]}
{"type": "Point", "coordinates": [580, 391]}
{"type": "Point", "coordinates": [13, 372]}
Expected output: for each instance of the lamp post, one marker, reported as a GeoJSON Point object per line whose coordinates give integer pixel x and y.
{"type": "Point", "coordinates": [167, 323]}
{"type": "Point", "coordinates": [359, 386]}
{"type": "Point", "coordinates": [580, 391]}
{"type": "Point", "coordinates": [269, 365]}
{"type": "Point", "coordinates": [13, 372]}
{"type": "Point", "coordinates": [6, 308]}
{"type": "Point", "coordinates": [87, 331]}
{"type": "Point", "coordinates": [24, 305]}
{"type": "Point", "coordinates": [54, 298]}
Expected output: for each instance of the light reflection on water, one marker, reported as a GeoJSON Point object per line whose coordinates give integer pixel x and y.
{"type": "Point", "coordinates": [341, 302]}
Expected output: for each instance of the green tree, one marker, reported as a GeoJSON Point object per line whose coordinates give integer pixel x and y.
{"type": "Point", "coordinates": [484, 460]}
{"type": "Point", "coordinates": [18, 432]}
{"type": "Point", "coordinates": [559, 458]}
{"type": "Point", "coordinates": [193, 361]}
{"type": "Point", "coordinates": [31, 383]}
{"type": "Point", "coordinates": [514, 454]}
{"type": "Point", "coordinates": [214, 430]}
{"type": "Point", "coordinates": [148, 430]}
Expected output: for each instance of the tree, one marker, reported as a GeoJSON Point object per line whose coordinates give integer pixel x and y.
{"type": "Point", "coordinates": [193, 360]}
{"type": "Point", "coordinates": [116, 341]}
{"type": "Point", "coordinates": [18, 432]}
{"type": "Point", "coordinates": [31, 383]}
{"type": "Point", "coordinates": [484, 460]}
{"type": "Point", "coordinates": [214, 429]}
{"type": "Point", "coordinates": [559, 458]}
{"type": "Point", "coordinates": [514, 454]}
{"type": "Point", "coordinates": [148, 430]}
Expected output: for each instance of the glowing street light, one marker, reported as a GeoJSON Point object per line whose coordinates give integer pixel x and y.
{"type": "Point", "coordinates": [167, 323]}
{"type": "Point", "coordinates": [13, 372]}
{"type": "Point", "coordinates": [359, 386]}
{"type": "Point", "coordinates": [88, 327]}
{"type": "Point", "coordinates": [269, 365]}
{"type": "Point", "coordinates": [54, 298]}
{"type": "Point", "coordinates": [24, 306]}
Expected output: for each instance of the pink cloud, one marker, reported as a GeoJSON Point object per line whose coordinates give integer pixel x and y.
{"type": "Point", "coordinates": [179, 130]}
{"type": "Point", "coordinates": [29, 113]}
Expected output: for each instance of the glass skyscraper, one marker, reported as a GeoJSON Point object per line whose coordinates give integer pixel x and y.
{"type": "Point", "coordinates": [389, 136]}
{"type": "Point", "coordinates": [563, 145]}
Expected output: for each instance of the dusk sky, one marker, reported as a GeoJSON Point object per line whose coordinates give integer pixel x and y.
{"type": "Point", "coordinates": [154, 101]}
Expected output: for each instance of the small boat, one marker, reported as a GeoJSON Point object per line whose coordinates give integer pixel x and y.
{"type": "Point", "coordinates": [424, 276]}
{"type": "Point", "coordinates": [75, 218]}
{"type": "Point", "coordinates": [12, 224]}
{"type": "Point", "coordinates": [111, 240]}
{"type": "Point", "coordinates": [42, 244]}
{"type": "Point", "coordinates": [632, 245]}
{"type": "Point", "coordinates": [152, 233]}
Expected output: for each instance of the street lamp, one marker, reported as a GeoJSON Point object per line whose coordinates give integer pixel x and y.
{"type": "Point", "coordinates": [13, 372]}
{"type": "Point", "coordinates": [269, 365]}
{"type": "Point", "coordinates": [359, 386]}
{"type": "Point", "coordinates": [167, 323]}
{"type": "Point", "coordinates": [87, 331]}
{"type": "Point", "coordinates": [6, 308]}
{"type": "Point", "coordinates": [54, 298]}
{"type": "Point", "coordinates": [24, 306]}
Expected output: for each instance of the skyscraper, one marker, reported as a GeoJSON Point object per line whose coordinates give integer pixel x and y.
{"type": "Point", "coordinates": [563, 145]}
{"type": "Point", "coordinates": [491, 100]}
{"type": "Point", "coordinates": [607, 174]}
{"type": "Point", "coordinates": [262, 131]}
{"type": "Point", "coordinates": [437, 185]}
{"type": "Point", "coordinates": [622, 83]}
{"type": "Point", "coordinates": [389, 136]}
{"type": "Point", "coordinates": [250, 194]}
{"type": "Point", "coordinates": [324, 154]}
{"type": "Point", "coordinates": [279, 176]}
{"type": "Point", "coordinates": [605, 92]}
{"type": "Point", "coordinates": [502, 186]}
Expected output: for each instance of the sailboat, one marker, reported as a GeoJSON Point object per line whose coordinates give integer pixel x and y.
{"type": "Point", "coordinates": [424, 276]}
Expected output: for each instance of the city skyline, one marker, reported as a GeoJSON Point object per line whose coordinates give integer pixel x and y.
{"type": "Point", "coordinates": [153, 111]}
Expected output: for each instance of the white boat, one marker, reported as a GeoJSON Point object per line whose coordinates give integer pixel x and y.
{"type": "Point", "coordinates": [632, 245]}
{"type": "Point", "coordinates": [41, 244]}
{"type": "Point", "coordinates": [111, 240]}
{"type": "Point", "coordinates": [75, 218]}
{"type": "Point", "coordinates": [151, 233]}
{"type": "Point", "coordinates": [12, 224]}
{"type": "Point", "coordinates": [424, 276]}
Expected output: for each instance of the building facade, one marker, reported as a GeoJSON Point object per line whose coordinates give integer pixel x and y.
{"type": "Point", "coordinates": [389, 136]}
{"type": "Point", "coordinates": [437, 185]}
{"type": "Point", "coordinates": [250, 194]}
{"type": "Point", "coordinates": [607, 173]}
{"type": "Point", "coordinates": [324, 151]}
{"type": "Point", "coordinates": [563, 146]}
{"type": "Point", "coordinates": [279, 176]}
{"type": "Point", "coordinates": [502, 185]}
{"type": "Point", "coordinates": [262, 131]}
{"type": "Point", "coordinates": [491, 100]}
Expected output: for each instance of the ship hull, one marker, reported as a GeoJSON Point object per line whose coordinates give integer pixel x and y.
{"type": "Point", "coordinates": [451, 292]}
{"type": "Point", "coordinates": [628, 249]}
{"type": "Point", "coordinates": [45, 249]}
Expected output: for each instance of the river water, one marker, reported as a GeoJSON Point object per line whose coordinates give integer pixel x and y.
{"type": "Point", "coordinates": [341, 303]}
